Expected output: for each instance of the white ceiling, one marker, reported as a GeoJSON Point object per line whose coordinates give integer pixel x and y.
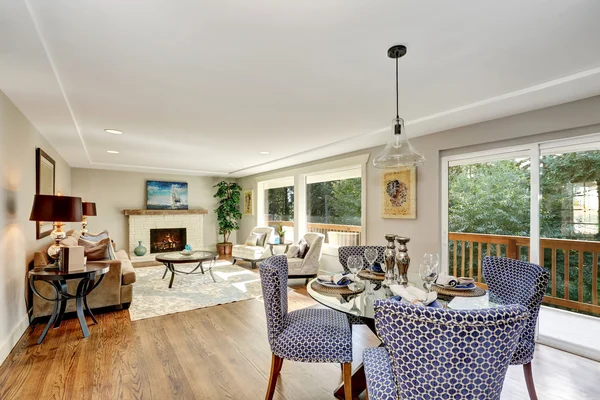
{"type": "Point", "coordinates": [200, 85]}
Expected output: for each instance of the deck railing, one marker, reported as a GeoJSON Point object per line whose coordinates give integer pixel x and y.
{"type": "Point", "coordinates": [342, 235]}
{"type": "Point", "coordinates": [573, 264]}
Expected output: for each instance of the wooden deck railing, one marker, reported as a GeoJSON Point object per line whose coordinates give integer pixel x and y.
{"type": "Point", "coordinates": [349, 235]}
{"type": "Point", "coordinates": [573, 264]}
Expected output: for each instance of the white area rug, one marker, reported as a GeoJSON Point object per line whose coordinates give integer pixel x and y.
{"type": "Point", "coordinates": [152, 296]}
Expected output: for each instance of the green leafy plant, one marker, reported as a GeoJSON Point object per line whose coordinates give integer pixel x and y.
{"type": "Point", "coordinates": [280, 230]}
{"type": "Point", "coordinates": [228, 211]}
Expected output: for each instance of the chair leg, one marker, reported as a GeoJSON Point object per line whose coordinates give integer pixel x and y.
{"type": "Point", "coordinates": [529, 380]}
{"type": "Point", "coordinates": [347, 367]}
{"type": "Point", "coordinates": [234, 261]}
{"type": "Point", "coordinates": [276, 363]}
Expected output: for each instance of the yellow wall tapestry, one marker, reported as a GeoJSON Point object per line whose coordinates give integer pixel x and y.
{"type": "Point", "coordinates": [248, 202]}
{"type": "Point", "coordinates": [399, 193]}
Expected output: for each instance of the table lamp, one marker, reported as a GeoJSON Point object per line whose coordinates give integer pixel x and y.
{"type": "Point", "coordinates": [57, 209]}
{"type": "Point", "coordinates": [88, 210]}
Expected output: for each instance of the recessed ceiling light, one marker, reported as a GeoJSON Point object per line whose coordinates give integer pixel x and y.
{"type": "Point", "coordinates": [112, 151]}
{"type": "Point", "coordinates": [114, 131]}
{"type": "Point", "coordinates": [264, 152]}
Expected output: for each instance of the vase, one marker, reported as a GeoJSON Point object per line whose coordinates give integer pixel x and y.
{"type": "Point", "coordinates": [402, 259]}
{"type": "Point", "coordinates": [282, 239]}
{"type": "Point", "coordinates": [140, 250]}
{"type": "Point", "coordinates": [389, 257]}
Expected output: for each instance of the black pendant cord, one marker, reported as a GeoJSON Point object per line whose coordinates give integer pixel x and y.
{"type": "Point", "coordinates": [397, 112]}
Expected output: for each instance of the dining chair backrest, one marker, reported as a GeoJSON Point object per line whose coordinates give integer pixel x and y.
{"type": "Point", "coordinates": [440, 353]}
{"type": "Point", "coordinates": [517, 282]}
{"type": "Point", "coordinates": [274, 277]}
{"type": "Point", "coordinates": [346, 251]}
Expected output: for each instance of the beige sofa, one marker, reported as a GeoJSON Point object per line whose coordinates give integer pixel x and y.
{"type": "Point", "coordinates": [116, 289]}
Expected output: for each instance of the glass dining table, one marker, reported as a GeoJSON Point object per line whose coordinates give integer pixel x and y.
{"type": "Point", "coordinates": [360, 308]}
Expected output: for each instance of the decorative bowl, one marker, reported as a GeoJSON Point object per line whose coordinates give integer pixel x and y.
{"type": "Point", "coordinates": [186, 252]}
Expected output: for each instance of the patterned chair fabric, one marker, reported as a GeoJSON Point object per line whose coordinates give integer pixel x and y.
{"type": "Point", "coordinates": [309, 265]}
{"type": "Point", "coordinates": [518, 282]}
{"type": "Point", "coordinates": [346, 251]}
{"type": "Point", "coordinates": [308, 335]}
{"type": "Point", "coordinates": [441, 354]}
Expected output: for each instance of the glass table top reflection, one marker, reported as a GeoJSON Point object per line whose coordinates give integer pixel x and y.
{"type": "Point", "coordinates": [363, 304]}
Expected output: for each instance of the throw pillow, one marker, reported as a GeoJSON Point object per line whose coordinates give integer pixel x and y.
{"type": "Point", "coordinates": [91, 237]}
{"type": "Point", "coordinates": [97, 251]}
{"type": "Point", "coordinates": [260, 239]}
{"type": "Point", "coordinates": [303, 248]}
{"type": "Point", "coordinates": [292, 251]}
{"type": "Point", "coordinates": [251, 241]}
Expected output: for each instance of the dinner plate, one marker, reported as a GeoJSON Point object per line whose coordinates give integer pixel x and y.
{"type": "Point", "coordinates": [331, 284]}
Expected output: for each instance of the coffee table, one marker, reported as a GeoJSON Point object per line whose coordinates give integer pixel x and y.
{"type": "Point", "coordinates": [171, 259]}
{"type": "Point", "coordinates": [90, 276]}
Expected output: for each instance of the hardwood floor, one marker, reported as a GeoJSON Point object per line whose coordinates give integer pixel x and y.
{"type": "Point", "coordinates": [217, 353]}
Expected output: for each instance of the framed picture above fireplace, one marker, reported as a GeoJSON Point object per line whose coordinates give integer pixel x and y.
{"type": "Point", "coordinates": [166, 195]}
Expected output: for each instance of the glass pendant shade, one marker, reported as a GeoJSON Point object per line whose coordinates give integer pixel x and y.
{"type": "Point", "coordinates": [398, 152]}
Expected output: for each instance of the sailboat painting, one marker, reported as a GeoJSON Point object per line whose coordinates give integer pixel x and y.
{"type": "Point", "coordinates": [167, 195]}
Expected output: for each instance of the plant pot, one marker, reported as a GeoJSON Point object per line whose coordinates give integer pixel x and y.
{"type": "Point", "coordinates": [282, 239]}
{"type": "Point", "coordinates": [224, 248]}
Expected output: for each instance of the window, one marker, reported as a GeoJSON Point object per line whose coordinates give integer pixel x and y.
{"type": "Point", "coordinates": [278, 204]}
{"type": "Point", "coordinates": [334, 206]}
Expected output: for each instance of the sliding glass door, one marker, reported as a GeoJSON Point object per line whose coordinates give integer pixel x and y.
{"type": "Point", "coordinates": [502, 203]}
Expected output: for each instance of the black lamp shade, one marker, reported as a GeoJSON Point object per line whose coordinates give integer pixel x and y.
{"type": "Point", "coordinates": [89, 209]}
{"type": "Point", "coordinates": [56, 208]}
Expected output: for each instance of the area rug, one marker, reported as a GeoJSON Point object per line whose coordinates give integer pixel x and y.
{"type": "Point", "coordinates": [152, 296]}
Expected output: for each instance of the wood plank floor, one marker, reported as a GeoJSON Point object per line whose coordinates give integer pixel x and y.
{"type": "Point", "coordinates": [216, 353]}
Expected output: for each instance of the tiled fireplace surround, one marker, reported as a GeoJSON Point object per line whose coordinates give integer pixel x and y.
{"type": "Point", "coordinates": [141, 221]}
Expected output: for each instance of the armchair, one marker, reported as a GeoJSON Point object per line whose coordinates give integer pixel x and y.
{"type": "Point", "coordinates": [257, 251]}
{"type": "Point", "coordinates": [308, 266]}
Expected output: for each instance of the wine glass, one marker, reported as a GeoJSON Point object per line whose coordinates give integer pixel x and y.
{"type": "Point", "coordinates": [432, 259]}
{"type": "Point", "coordinates": [371, 255]}
{"type": "Point", "coordinates": [429, 274]}
{"type": "Point", "coordinates": [355, 264]}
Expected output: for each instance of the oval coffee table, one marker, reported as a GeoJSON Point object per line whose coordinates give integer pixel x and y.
{"type": "Point", "coordinates": [170, 259]}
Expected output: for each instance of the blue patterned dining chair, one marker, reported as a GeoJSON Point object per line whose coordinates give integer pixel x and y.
{"type": "Point", "coordinates": [518, 282]}
{"type": "Point", "coordinates": [346, 251]}
{"type": "Point", "coordinates": [436, 353]}
{"type": "Point", "coordinates": [309, 335]}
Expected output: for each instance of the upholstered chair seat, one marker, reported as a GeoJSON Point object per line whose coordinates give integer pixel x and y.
{"type": "Point", "coordinates": [251, 250]}
{"type": "Point", "coordinates": [308, 335]}
{"type": "Point", "coordinates": [432, 353]}
{"type": "Point", "coordinates": [518, 282]}
{"type": "Point", "coordinates": [307, 266]}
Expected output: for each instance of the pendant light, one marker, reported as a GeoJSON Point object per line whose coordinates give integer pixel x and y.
{"type": "Point", "coordinates": [398, 152]}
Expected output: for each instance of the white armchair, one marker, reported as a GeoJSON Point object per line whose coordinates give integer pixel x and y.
{"type": "Point", "coordinates": [308, 266]}
{"type": "Point", "coordinates": [251, 250]}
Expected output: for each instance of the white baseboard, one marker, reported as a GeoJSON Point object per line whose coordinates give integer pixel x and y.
{"type": "Point", "coordinates": [569, 347]}
{"type": "Point", "coordinates": [13, 338]}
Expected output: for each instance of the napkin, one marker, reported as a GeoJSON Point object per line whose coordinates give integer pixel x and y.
{"type": "Point", "coordinates": [465, 286]}
{"type": "Point", "coordinates": [446, 280]}
{"type": "Point", "coordinates": [338, 279]}
{"type": "Point", "coordinates": [414, 295]}
{"type": "Point", "coordinates": [376, 267]}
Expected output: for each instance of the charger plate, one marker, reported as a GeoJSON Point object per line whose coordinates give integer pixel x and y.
{"type": "Point", "coordinates": [475, 292]}
{"type": "Point", "coordinates": [317, 287]}
{"type": "Point", "coordinates": [371, 276]}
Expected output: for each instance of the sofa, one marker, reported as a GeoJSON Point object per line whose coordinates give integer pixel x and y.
{"type": "Point", "coordinates": [116, 289]}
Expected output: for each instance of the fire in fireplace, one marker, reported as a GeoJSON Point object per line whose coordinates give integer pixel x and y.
{"type": "Point", "coordinates": [167, 239]}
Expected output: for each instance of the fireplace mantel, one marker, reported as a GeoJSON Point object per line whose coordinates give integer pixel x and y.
{"type": "Point", "coordinates": [166, 212]}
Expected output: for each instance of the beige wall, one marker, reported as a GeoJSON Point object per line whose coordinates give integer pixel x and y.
{"type": "Point", "coordinates": [18, 141]}
{"type": "Point", "coordinates": [114, 191]}
{"type": "Point", "coordinates": [566, 120]}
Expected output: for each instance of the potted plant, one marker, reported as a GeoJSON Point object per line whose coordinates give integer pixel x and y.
{"type": "Point", "coordinates": [228, 213]}
{"type": "Point", "coordinates": [281, 233]}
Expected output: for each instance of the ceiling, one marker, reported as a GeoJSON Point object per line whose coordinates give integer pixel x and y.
{"type": "Point", "coordinates": [201, 87]}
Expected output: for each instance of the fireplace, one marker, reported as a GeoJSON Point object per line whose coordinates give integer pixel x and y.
{"type": "Point", "coordinates": [167, 239]}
